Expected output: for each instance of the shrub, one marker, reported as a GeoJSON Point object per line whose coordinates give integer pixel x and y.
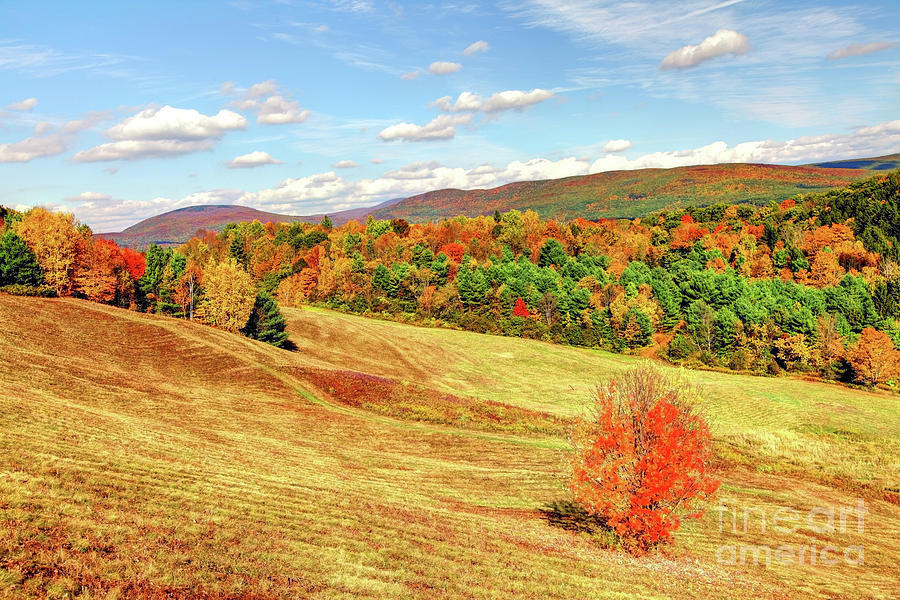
{"type": "Point", "coordinates": [42, 291]}
{"type": "Point", "coordinates": [679, 348]}
{"type": "Point", "coordinates": [642, 459]}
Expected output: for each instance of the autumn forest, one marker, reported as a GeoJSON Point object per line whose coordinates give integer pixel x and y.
{"type": "Point", "coordinates": [811, 285]}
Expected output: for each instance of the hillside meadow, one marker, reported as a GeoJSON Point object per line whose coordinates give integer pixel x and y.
{"type": "Point", "coordinates": [144, 456]}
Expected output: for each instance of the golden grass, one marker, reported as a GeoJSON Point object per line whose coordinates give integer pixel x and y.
{"type": "Point", "coordinates": [144, 457]}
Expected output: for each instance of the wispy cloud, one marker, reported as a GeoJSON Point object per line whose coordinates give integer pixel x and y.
{"type": "Point", "coordinates": [859, 50]}
{"type": "Point", "coordinates": [476, 47]}
{"type": "Point", "coordinates": [44, 61]}
{"type": "Point", "coordinates": [26, 104]}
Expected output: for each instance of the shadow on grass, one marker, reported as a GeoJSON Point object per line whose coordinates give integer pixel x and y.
{"type": "Point", "coordinates": [570, 516]}
{"type": "Point", "coordinates": [289, 346]}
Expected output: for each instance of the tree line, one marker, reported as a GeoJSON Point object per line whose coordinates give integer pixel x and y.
{"type": "Point", "coordinates": [809, 285]}
{"type": "Point", "coordinates": [46, 253]}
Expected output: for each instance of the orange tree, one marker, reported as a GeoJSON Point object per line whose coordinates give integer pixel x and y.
{"type": "Point", "coordinates": [874, 358]}
{"type": "Point", "coordinates": [642, 460]}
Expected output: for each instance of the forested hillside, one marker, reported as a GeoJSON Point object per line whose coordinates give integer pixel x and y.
{"type": "Point", "coordinates": [628, 194]}
{"type": "Point", "coordinates": [809, 285]}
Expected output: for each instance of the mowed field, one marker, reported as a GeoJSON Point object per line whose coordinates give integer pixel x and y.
{"type": "Point", "coordinates": [146, 457]}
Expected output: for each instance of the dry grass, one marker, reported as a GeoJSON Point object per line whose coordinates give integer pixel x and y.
{"type": "Point", "coordinates": [143, 457]}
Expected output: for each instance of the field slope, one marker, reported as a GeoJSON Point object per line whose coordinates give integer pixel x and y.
{"type": "Point", "coordinates": [142, 456]}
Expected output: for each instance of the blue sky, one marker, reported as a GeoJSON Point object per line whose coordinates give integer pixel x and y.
{"type": "Point", "coordinates": [118, 111]}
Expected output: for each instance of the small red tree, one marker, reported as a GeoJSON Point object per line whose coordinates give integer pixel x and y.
{"type": "Point", "coordinates": [454, 251]}
{"type": "Point", "coordinates": [642, 460]}
{"type": "Point", "coordinates": [520, 309]}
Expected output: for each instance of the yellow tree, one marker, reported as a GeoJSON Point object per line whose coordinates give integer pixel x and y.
{"type": "Point", "coordinates": [56, 242]}
{"type": "Point", "coordinates": [98, 275]}
{"type": "Point", "coordinates": [228, 296]}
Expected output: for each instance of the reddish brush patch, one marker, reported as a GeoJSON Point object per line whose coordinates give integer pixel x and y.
{"type": "Point", "coordinates": [418, 403]}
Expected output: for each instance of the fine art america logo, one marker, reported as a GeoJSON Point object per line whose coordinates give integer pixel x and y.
{"type": "Point", "coordinates": [821, 520]}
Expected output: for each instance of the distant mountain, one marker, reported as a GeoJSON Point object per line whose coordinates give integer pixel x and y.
{"type": "Point", "coordinates": [177, 226]}
{"type": "Point", "coordinates": [617, 194]}
{"type": "Point", "coordinates": [614, 194]}
{"type": "Point", "coordinates": [880, 163]}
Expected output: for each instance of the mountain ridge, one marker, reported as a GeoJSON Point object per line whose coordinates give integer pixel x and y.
{"type": "Point", "coordinates": [177, 226]}
{"type": "Point", "coordinates": [610, 194]}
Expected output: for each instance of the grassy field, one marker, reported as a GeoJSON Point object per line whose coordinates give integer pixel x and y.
{"type": "Point", "coordinates": [145, 457]}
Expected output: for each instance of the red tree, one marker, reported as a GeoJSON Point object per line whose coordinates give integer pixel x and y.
{"type": "Point", "coordinates": [520, 309]}
{"type": "Point", "coordinates": [454, 251]}
{"type": "Point", "coordinates": [134, 263]}
{"type": "Point", "coordinates": [642, 460]}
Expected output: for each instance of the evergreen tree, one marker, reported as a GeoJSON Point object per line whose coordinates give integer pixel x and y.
{"type": "Point", "coordinates": [238, 250]}
{"type": "Point", "coordinates": [266, 323]}
{"type": "Point", "coordinates": [552, 253]}
{"type": "Point", "coordinates": [385, 279]}
{"type": "Point", "coordinates": [473, 286]}
{"type": "Point", "coordinates": [17, 262]}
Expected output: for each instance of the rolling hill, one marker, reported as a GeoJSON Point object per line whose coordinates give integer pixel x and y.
{"type": "Point", "coordinates": [177, 226]}
{"type": "Point", "coordinates": [615, 194]}
{"type": "Point", "coordinates": [147, 457]}
{"type": "Point", "coordinates": [879, 163]}
{"type": "Point", "coordinates": [628, 194]}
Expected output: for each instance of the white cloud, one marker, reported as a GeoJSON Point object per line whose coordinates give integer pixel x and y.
{"type": "Point", "coordinates": [327, 192]}
{"type": "Point", "coordinates": [141, 149]}
{"type": "Point", "coordinates": [278, 111]}
{"type": "Point", "coordinates": [722, 42]}
{"type": "Point", "coordinates": [42, 127]}
{"type": "Point", "coordinates": [859, 50]}
{"type": "Point", "coordinates": [169, 123]}
{"type": "Point", "coordinates": [410, 75]}
{"type": "Point", "coordinates": [616, 145]}
{"type": "Point", "coordinates": [377, 161]}
{"type": "Point", "coordinates": [254, 159]}
{"type": "Point", "coordinates": [514, 99]}
{"type": "Point", "coordinates": [270, 106]}
{"type": "Point", "coordinates": [26, 104]}
{"type": "Point", "coordinates": [161, 132]}
{"type": "Point", "coordinates": [345, 164]}
{"type": "Point", "coordinates": [48, 139]}
{"type": "Point", "coordinates": [474, 48]}
{"type": "Point", "coordinates": [442, 127]}
{"type": "Point", "coordinates": [510, 99]}
{"type": "Point", "coordinates": [264, 88]}
{"type": "Point", "coordinates": [89, 120]}
{"type": "Point", "coordinates": [444, 68]}
{"type": "Point", "coordinates": [865, 141]}
{"type": "Point", "coordinates": [33, 147]}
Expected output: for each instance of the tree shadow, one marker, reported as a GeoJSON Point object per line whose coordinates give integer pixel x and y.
{"type": "Point", "coordinates": [289, 346]}
{"type": "Point", "coordinates": [571, 516]}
